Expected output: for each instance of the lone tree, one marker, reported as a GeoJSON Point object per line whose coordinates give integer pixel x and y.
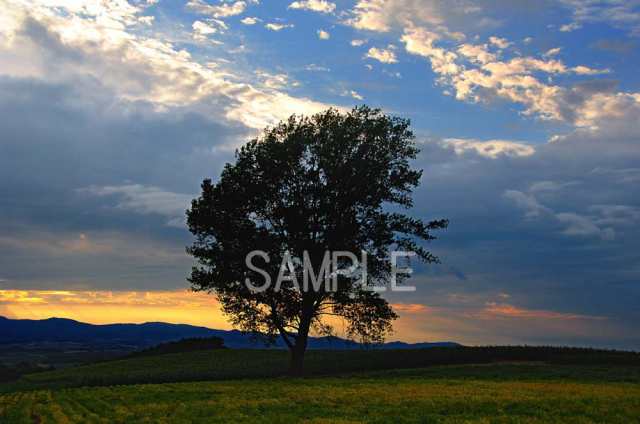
{"type": "Point", "coordinates": [305, 187]}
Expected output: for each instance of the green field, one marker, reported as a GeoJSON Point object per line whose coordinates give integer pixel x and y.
{"type": "Point", "coordinates": [248, 386]}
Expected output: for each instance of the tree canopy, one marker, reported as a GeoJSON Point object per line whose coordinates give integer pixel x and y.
{"type": "Point", "coordinates": [330, 182]}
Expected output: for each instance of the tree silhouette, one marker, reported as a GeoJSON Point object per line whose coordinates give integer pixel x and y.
{"type": "Point", "coordinates": [304, 187]}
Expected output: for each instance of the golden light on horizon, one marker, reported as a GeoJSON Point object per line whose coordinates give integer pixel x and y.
{"type": "Point", "coordinates": [417, 322]}
{"type": "Point", "coordinates": [107, 307]}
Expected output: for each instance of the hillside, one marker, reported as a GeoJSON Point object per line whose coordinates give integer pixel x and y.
{"type": "Point", "coordinates": [225, 364]}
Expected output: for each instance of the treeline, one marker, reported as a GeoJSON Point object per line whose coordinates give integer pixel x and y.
{"type": "Point", "coordinates": [180, 346]}
{"type": "Point", "coordinates": [488, 354]}
{"type": "Point", "coordinates": [11, 373]}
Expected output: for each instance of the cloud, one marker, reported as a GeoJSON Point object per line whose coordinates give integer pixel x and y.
{"type": "Point", "coordinates": [527, 202]}
{"type": "Point", "coordinates": [599, 221]}
{"type": "Point", "coordinates": [578, 225]}
{"type": "Point", "coordinates": [619, 14]}
{"type": "Point", "coordinates": [490, 148]}
{"type": "Point", "coordinates": [249, 20]}
{"type": "Point", "coordinates": [222, 10]}
{"type": "Point", "coordinates": [140, 69]}
{"type": "Point", "coordinates": [353, 94]}
{"type": "Point", "coordinates": [478, 53]}
{"type": "Point", "coordinates": [382, 55]}
{"type": "Point", "coordinates": [148, 201]}
{"type": "Point", "coordinates": [387, 15]}
{"type": "Point", "coordinates": [504, 310]}
{"type": "Point", "coordinates": [552, 52]}
{"type": "Point", "coordinates": [201, 30]}
{"type": "Point", "coordinates": [358, 43]}
{"type": "Point", "coordinates": [420, 42]}
{"type": "Point", "coordinates": [501, 43]}
{"type": "Point", "coordinates": [477, 75]}
{"type": "Point", "coordinates": [570, 27]}
{"type": "Point", "coordinates": [323, 35]}
{"type": "Point", "coordinates": [274, 26]}
{"type": "Point", "coordinates": [321, 6]}
{"type": "Point", "coordinates": [312, 67]}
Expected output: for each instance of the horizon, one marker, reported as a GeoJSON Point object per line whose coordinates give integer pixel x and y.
{"type": "Point", "coordinates": [390, 340]}
{"type": "Point", "coordinates": [526, 114]}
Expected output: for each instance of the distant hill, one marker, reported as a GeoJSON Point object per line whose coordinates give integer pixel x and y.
{"type": "Point", "coordinates": [59, 330]}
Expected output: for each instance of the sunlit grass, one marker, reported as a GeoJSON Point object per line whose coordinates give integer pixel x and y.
{"type": "Point", "coordinates": [397, 397]}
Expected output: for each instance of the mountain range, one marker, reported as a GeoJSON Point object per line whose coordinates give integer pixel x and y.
{"type": "Point", "coordinates": [60, 330]}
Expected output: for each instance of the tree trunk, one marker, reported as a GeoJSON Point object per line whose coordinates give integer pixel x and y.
{"type": "Point", "coordinates": [296, 364]}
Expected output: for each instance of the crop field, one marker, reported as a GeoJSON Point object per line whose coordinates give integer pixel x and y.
{"type": "Point", "coordinates": [443, 394]}
{"type": "Point", "coordinates": [344, 387]}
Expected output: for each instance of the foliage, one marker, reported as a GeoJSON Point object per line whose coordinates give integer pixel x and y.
{"type": "Point", "coordinates": [310, 184]}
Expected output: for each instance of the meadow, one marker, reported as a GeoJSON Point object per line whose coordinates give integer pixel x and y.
{"type": "Point", "coordinates": [343, 387]}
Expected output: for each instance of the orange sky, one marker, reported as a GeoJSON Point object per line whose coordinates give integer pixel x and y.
{"type": "Point", "coordinates": [487, 323]}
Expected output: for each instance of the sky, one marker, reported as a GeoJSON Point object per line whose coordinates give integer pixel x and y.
{"type": "Point", "coordinates": [527, 115]}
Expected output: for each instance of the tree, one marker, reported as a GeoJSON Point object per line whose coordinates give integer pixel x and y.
{"type": "Point", "coordinates": [308, 186]}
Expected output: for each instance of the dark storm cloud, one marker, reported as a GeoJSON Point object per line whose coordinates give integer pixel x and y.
{"type": "Point", "coordinates": [56, 143]}
{"type": "Point", "coordinates": [556, 230]}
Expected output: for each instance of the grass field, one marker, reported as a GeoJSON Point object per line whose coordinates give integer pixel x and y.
{"type": "Point", "coordinates": [250, 388]}
{"type": "Point", "coordinates": [487, 393]}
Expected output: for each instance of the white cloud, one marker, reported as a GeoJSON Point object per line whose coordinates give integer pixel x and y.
{"type": "Point", "coordinates": [386, 15]}
{"type": "Point", "coordinates": [274, 81]}
{"type": "Point", "coordinates": [249, 20]}
{"type": "Point", "coordinates": [585, 70]}
{"type": "Point", "coordinates": [501, 43]}
{"type": "Point", "coordinates": [476, 53]}
{"type": "Point", "coordinates": [369, 15]}
{"type": "Point", "coordinates": [382, 55]}
{"type": "Point", "coordinates": [147, 20]}
{"type": "Point", "coordinates": [201, 30]}
{"type": "Point", "coordinates": [419, 41]}
{"type": "Point", "coordinates": [136, 68]}
{"type": "Point", "coordinates": [322, 6]}
{"type": "Point", "coordinates": [477, 75]}
{"type": "Point", "coordinates": [222, 10]}
{"type": "Point", "coordinates": [358, 43]}
{"type": "Point", "coordinates": [353, 94]}
{"type": "Point", "coordinates": [323, 35]}
{"type": "Point", "coordinates": [312, 67]}
{"type": "Point", "coordinates": [604, 109]}
{"type": "Point", "coordinates": [570, 27]}
{"type": "Point", "coordinates": [274, 26]}
{"type": "Point", "coordinates": [490, 148]}
{"type": "Point", "coordinates": [552, 52]}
